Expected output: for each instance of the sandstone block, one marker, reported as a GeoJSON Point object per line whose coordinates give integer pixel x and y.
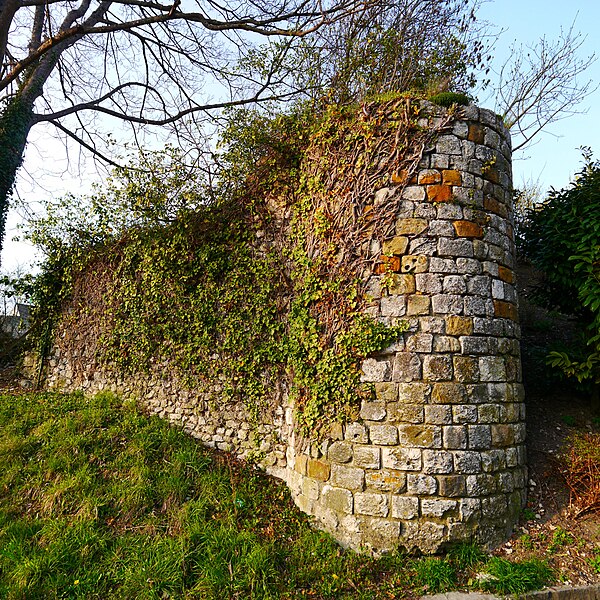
{"type": "Point", "coordinates": [386, 391]}
{"type": "Point", "coordinates": [452, 486]}
{"type": "Point", "coordinates": [506, 310]}
{"type": "Point", "coordinates": [375, 370]}
{"type": "Point", "coordinates": [396, 246]}
{"type": "Point", "coordinates": [449, 393]}
{"type": "Point", "coordinates": [451, 177]}
{"type": "Point", "coordinates": [367, 457]}
{"type": "Point", "coordinates": [340, 452]}
{"type": "Point", "coordinates": [418, 305]}
{"type": "Point", "coordinates": [467, 229]}
{"type": "Point", "coordinates": [410, 226]}
{"type": "Point", "coordinates": [372, 411]}
{"type": "Point", "coordinates": [420, 342]}
{"type": "Point", "coordinates": [437, 462]}
{"type": "Point", "coordinates": [437, 367]}
{"type": "Point", "coordinates": [407, 367]}
{"type": "Point", "coordinates": [503, 435]}
{"type": "Point", "coordinates": [507, 275]}
{"type": "Point", "coordinates": [488, 413]}
{"type": "Point", "coordinates": [383, 435]}
{"type": "Point", "coordinates": [414, 393]}
{"type": "Point", "coordinates": [414, 193]}
{"type": "Point", "coordinates": [337, 499]}
{"type": "Point", "coordinates": [419, 484]}
{"type": "Point", "coordinates": [455, 437]}
{"type": "Point", "coordinates": [466, 369]}
{"type": "Point", "coordinates": [414, 263]}
{"type": "Point", "coordinates": [310, 488]}
{"type": "Point", "coordinates": [401, 284]}
{"type": "Point", "coordinates": [405, 508]}
{"type": "Point", "coordinates": [357, 433]}
{"type": "Point", "coordinates": [439, 193]}
{"type": "Point", "coordinates": [317, 469]}
{"type": "Point", "coordinates": [375, 505]}
{"type": "Point", "coordinates": [386, 480]}
{"type": "Point", "coordinates": [300, 463]}
{"type": "Point", "coordinates": [402, 459]}
{"type": "Point", "coordinates": [405, 413]}
{"type": "Point", "coordinates": [437, 508]}
{"type": "Point", "coordinates": [349, 478]}
{"type": "Point", "coordinates": [420, 436]}
{"type": "Point", "coordinates": [438, 414]}
{"type": "Point", "coordinates": [456, 325]}
{"type": "Point", "coordinates": [429, 176]}
{"type": "Point", "coordinates": [444, 343]}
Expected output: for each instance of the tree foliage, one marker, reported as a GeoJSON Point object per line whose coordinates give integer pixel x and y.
{"type": "Point", "coordinates": [561, 236]}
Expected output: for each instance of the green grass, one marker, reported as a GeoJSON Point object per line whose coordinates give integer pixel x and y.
{"type": "Point", "coordinates": [507, 577]}
{"type": "Point", "coordinates": [98, 500]}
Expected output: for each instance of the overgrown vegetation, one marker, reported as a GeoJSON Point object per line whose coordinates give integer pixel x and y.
{"type": "Point", "coordinates": [99, 501]}
{"type": "Point", "coordinates": [561, 236]}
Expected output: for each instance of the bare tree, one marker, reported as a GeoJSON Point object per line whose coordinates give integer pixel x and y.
{"type": "Point", "coordinates": [75, 63]}
{"type": "Point", "coordinates": [540, 84]}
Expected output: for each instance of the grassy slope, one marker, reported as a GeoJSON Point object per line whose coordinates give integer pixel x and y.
{"type": "Point", "coordinates": [98, 500]}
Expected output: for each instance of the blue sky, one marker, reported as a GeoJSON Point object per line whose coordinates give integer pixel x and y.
{"type": "Point", "coordinates": [551, 162]}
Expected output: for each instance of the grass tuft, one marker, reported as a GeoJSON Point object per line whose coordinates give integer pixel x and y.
{"type": "Point", "coordinates": [516, 578]}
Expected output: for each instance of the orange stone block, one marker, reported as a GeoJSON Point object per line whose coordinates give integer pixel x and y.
{"type": "Point", "coordinates": [388, 264]}
{"type": "Point", "coordinates": [300, 465]}
{"type": "Point", "coordinates": [429, 176]}
{"type": "Point", "coordinates": [468, 229]}
{"type": "Point", "coordinates": [491, 174]}
{"type": "Point", "coordinates": [476, 134]}
{"type": "Point", "coordinates": [402, 176]}
{"type": "Point", "coordinates": [506, 274]}
{"type": "Point", "coordinates": [459, 325]}
{"type": "Point", "coordinates": [492, 205]}
{"type": "Point", "coordinates": [439, 193]}
{"type": "Point", "coordinates": [451, 177]}
{"type": "Point", "coordinates": [505, 310]}
{"type": "Point", "coordinates": [317, 469]}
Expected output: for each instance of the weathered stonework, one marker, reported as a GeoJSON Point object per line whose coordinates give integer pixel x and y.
{"type": "Point", "coordinates": [439, 455]}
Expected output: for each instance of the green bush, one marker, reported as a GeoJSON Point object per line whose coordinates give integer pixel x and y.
{"type": "Point", "coordinates": [561, 237]}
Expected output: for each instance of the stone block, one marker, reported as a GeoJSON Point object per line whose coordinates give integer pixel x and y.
{"type": "Point", "coordinates": [406, 367]}
{"type": "Point", "coordinates": [367, 457]}
{"type": "Point", "coordinates": [492, 368]}
{"type": "Point", "coordinates": [383, 435]}
{"type": "Point", "coordinates": [452, 486]}
{"type": "Point", "coordinates": [455, 437]}
{"type": "Point", "coordinates": [439, 193]}
{"type": "Point", "coordinates": [467, 229]}
{"type": "Point", "coordinates": [357, 433]}
{"type": "Point", "coordinates": [469, 509]}
{"type": "Point", "coordinates": [317, 469]}
{"type": "Point", "coordinates": [349, 478]}
{"type": "Point", "coordinates": [454, 284]}
{"type": "Point", "coordinates": [375, 370]}
{"type": "Point", "coordinates": [449, 393]}
{"type": "Point", "coordinates": [340, 452]}
{"type": "Point", "coordinates": [481, 485]}
{"type": "Point", "coordinates": [437, 367]}
{"type": "Point", "coordinates": [388, 264]}
{"type": "Point", "coordinates": [386, 480]}
{"type": "Point", "coordinates": [405, 508]}
{"type": "Point", "coordinates": [418, 305]}
{"type": "Point", "coordinates": [396, 246]}
{"type": "Point", "coordinates": [414, 393]}
{"type": "Point", "coordinates": [337, 499]}
{"type": "Point", "coordinates": [437, 462]}
{"type": "Point", "coordinates": [437, 508]}
{"type": "Point", "coordinates": [466, 369]}
{"type": "Point", "coordinates": [401, 284]}
{"type": "Point", "coordinates": [420, 436]}
{"type": "Point", "coordinates": [464, 413]}
{"type": "Point", "coordinates": [467, 462]}
{"type": "Point", "coordinates": [505, 310]}
{"type": "Point", "coordinates": [414, 263]}
{"type": "Point", "coordinates": [451, 177]}
{"type": "Point", "coordinates": [429, 176]}
{"type": "Point", "coordinates": [447, 304]}
{"type": "Point", "coordinates": [493, 460]}
{"type": "Point", "coordinates": [494, 507]}
{"type": "Point", "coordinates": [420, 484]}
{"type": "Point", "coordinates": [400, 412]}
{"type": "Point", "coordinates": [300, 464]}
{"type": "Point", "coordinates": [459, 247]}
{"type": "Point", "coordinates": [374, 505]}
{"type": "Point", "coordinates": [410, 226]}
{"type": "Point", "coordinates": [429, 283]}
{"type": "Point", "coordinates": [442, 265]}
{"type": "Point", "coordinates": [424, 246]}
{"type": "Point", "coordinates": [310, 488]}
{"type": "Point", "coordinates": [479, 285]}
{"type": "Point", "coordinates": [488, 413]}
{"type": "Point", "coordinates": [438, 414]}
{"type": "Point", "coordinates": [480, 437]}
{"type": "Point", "coordinates": [474, 345]}
{"type": "Point", "coordinates": [475, 306]}
{"type": "Point", "coordinates": [456, 325]}
{"type": "Point", "coordinates": [507, 275]}
{"type": "Point", "coordinates": [393, 306]}
{"type": "Point", "coordinates": [448, 144]}
{"type": "Point", "coordinates": [386, 391]}
{"type": "Point", "coordinates": [441, 228]}
{"type": "Point", "coordinates": [444, 343]}
{"type": "Point", "coordinates": [503, 435]}
{"type": "Point", "coordinates": [402, 459]}
{"type": "Point", "coordinates": [419, 342]}
{"type": "Point", "coordinates": [414, 193]}
{"type": "Point", "coordinates": [373, 411]}
{"type": "Point", "coordinates": [468, 266]}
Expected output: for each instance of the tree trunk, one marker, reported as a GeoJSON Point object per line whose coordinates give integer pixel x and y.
{"type": "Point", "coordinates": [15, 122]}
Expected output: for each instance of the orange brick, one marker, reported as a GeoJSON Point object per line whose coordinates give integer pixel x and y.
{"type": "Point", "coordinates": [505, 310]}
{"type": "Point", "coordinates": [468, 229]}
{"type": "Point", "coordinates": [317, 469]}
{"type": "Point", "coordinates": [451, 177]}
{"type": "Point", "coordinates": [506, 274]}
{"type": "Point", "coordinates": [429, 176]}
{"type": "Point", "coordinates": [494, 206]}
{"type": "Point", "coordinates": [476, 134]}
{"type": "Point", "coordinates": [439, 193]}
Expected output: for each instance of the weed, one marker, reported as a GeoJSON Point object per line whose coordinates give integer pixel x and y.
{"type": "Point", "coordinates": [560, 539]}
{"type": "Point", "coordinates": [528, 514]}
{"type": "Point", "coordinates": [526, 541]}
{"type": "Point", "coordinates": [435, 575]}
{"type": "Point", "coordinates": [569, 420]}
{"type": "Point", "coordinates": [594, 562]}
{"type": "Point", "coordinates": [516, 578]}
{"type": "Point", "coordinates": [466, 556]}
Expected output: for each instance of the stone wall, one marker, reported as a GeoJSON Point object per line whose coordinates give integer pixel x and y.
{"type": "Point", "coordinates": [439, 456]}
